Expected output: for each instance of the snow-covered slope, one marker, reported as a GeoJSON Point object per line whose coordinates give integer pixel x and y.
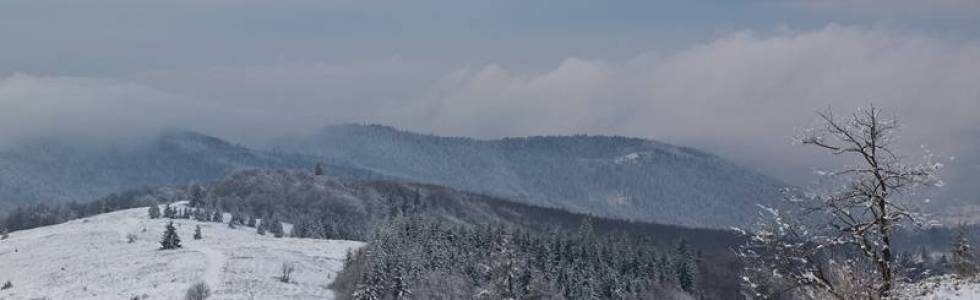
{"type": "Point", "coordinates": [91, 258]}
{"type": "Point", "coordinates": [946, 287]}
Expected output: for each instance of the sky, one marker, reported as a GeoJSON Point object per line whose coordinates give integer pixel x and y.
{"type": "Point", "coordinates": [736, 78]}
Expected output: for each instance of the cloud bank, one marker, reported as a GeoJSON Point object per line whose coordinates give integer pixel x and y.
{"type": "Point", "coordinates": [740, 95]}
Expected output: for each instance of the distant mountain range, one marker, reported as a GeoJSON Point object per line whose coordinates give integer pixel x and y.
{"type": "Point", "coordinates": [609, 176]}
{"type": "Point", "coordinates": [57, 170]}
{"type": "Point", "coordinates": [620, 177]}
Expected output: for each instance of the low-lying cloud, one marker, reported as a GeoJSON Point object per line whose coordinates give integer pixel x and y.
{"type": "Point", "coordinates": [740, 95]}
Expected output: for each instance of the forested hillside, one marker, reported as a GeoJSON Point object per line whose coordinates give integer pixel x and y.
{"type": "Point", "coordinates": [325, 207]}
{"type": "Point", "coordinates": [610, 176]}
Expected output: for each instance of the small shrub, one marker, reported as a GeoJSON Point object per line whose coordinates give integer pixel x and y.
{"type": "Point", "coordinates": [197, 232]}
{"type": "Point", "coordinates": [6, 285]}
{"type": "Point", "coordinates": [198, 291]}
{"type": "Point", "coordinates": [131, 238]}
{"type": "Point", "coordinates": [287, 272]}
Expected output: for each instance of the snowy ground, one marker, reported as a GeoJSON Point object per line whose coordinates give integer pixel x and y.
{"type": "Point", "coordinates": [91, 259]}
{"type": "Point", "coordinates": [946, 287]}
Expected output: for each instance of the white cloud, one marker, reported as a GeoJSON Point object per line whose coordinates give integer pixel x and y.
{"type": "Point", "coordinates": [741, 94]}
{"type": "Point", "coordinates": [83, 108]}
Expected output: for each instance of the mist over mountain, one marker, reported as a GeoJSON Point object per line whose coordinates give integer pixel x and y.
{"type": "Point", "coordinates": [618, 177]}
{"type": "Point", "coordinates": [609, 176]}
{"type": "Point", "coordinates": [59, 170]}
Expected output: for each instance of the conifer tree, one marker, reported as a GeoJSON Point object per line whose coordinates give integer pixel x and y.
{"type": "Point", "coordinates": [684, 266]}
{"type": "Point", "coordinates": [371, 286]}
{"type": "Point", "coordinates": [962, 254]}
{"type": "Point", "coordinates": [503, 268]}
{"type": "Point", "coordinates": [276, 229]}
{"type": "Point", "coordinates": [197, 232]}
{"type": "Point", "coordinates": [168, 212]}
{"type": "Point", "coordinates": [261, 228]}
{"type": "Point", "coordinates": [170, 239]}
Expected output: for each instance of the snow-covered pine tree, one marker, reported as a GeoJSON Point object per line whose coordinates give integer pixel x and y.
{"type": "Point", "coordinates": [170, 239]}
{"type": "Point", "coordinates": [961, 256]}
{"type": "Point", "coordinates": [685, 268]}
{"type": "Point", "coordinates": [197, 232]}
{"type": "Point", "coordinates": [398, 271]}
{"type": "Point", "coordinates": [276, 229]}
{"type": "Point", "coordinates": [168, 212]}
{"type": "Point", "coordinates": [261, 228]}
{"type": "Point", "coordinates": [371, 285]}
{"type": "Point", "coordinates": [503, 270]}
{"type": "Point", "coordinates": [217, 217]}
{"type": "Point", "coordinates": [154, 211]}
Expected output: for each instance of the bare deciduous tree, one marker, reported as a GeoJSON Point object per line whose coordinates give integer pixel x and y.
{"type": "Point", "coordinates": [286, 274]}
{"type": "Point", "coordinates": [857, 219]}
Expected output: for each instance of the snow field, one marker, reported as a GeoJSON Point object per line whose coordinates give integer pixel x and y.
{"type": "Point", "coordinates": [91, 258]}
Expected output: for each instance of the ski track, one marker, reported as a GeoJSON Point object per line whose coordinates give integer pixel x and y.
{"type": "Point", "coordinates": [216, 265]}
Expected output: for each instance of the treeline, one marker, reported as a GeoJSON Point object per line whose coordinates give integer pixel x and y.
{"type": "Point", "coordinates": [44, 214]}
{"type": "Point", "coordinates": [325, 207]}
{"type": "Point", "coordinates": [262, 226]}
{"type": "Point", "coordinates": [420, 258]}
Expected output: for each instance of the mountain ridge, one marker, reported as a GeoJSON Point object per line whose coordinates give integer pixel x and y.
{"type": "Point", "coordinates": [613, 176]}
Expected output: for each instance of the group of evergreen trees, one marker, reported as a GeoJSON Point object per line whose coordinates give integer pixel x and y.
{"type": "Point", "coordinates": [273, 226]}
{"type": "Point", "coordinates": [44, 214]}
{"type": "Point", "coordinates": [429, 259]}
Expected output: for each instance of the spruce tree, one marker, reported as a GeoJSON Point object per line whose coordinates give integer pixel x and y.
{"type": "Point", "coordinates": [170, 239]}
{"type": "Point", "coordinates": [197, 232]}
{"type": "Point", "coordinates": [503, 269]}
{"type": "Point", "coordinates": [962, 253]}
{"type": "Point", "coordinates": [276, 229]}
{"type": "Point", "coordinates": [685, 266]}
{"type": "Point", "coordinates": [168, 212]}
{"type": "Point", "coordinates": [260, 229]}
